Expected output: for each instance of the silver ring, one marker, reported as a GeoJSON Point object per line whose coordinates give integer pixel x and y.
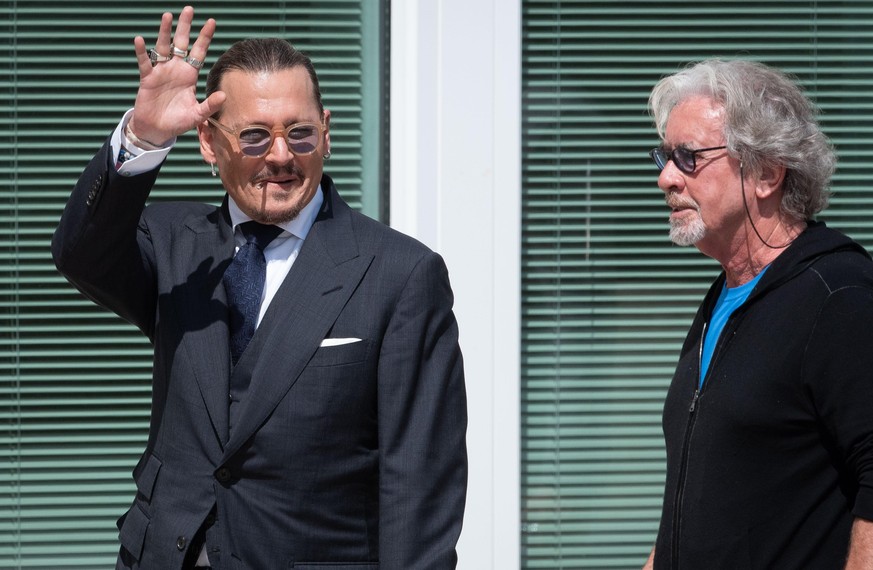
{"type": "Point", "coordinates": [195, 63]}
{"type": "Point", "coordinates": [157, 58]}
{"type": "Point", "coordinates": [178, 52]}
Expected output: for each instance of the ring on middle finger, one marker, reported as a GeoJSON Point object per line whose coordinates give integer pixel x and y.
{"type": "Point", "coordinates": [195, 63]}
{"type": "Point", "coordinates": [157, 58]}
{"type": "Point", "coordinates": [178, 51]}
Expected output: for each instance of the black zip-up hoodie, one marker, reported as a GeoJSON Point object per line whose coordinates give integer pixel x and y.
{"type": "Point", "coordinates": [769, 463]}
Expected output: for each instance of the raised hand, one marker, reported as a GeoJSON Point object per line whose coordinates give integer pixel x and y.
{"type": "Point", "coordinates": [166, 103]}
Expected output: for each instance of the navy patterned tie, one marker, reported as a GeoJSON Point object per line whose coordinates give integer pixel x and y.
{"type": "Point", "coordinates": [244, 283]}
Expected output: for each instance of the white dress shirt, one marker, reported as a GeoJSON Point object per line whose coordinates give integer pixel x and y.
{"type": "Point", "coordinates": [282, 251]}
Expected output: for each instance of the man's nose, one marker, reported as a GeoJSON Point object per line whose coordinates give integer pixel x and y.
{"type": "Point", "coordinates": [671, 178]}
{"type": "Point", "coordinates": [279, 151]}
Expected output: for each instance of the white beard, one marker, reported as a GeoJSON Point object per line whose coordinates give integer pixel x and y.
{"type": "Point", "coordinates": [687, 232]}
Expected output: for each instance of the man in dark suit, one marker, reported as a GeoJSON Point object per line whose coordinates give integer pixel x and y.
{"type": "Point", "coordinates": [322, 427]}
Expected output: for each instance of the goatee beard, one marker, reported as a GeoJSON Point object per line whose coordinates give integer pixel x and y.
{"type": "Point", "coordinates": [273, 173]}
{"type": "Point", "coordinates": [278, 218]}
{"type": "Point", "coordinates": [683, 231]}
{"type": "Point", "coordinates": [687, 232]}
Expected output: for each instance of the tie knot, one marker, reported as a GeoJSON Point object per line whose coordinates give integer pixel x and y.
{"type": "Point", "coordinates": [259, 234]}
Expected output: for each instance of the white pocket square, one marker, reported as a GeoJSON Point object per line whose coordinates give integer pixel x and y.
{"type": "Point", "coordinates": [338, 341]}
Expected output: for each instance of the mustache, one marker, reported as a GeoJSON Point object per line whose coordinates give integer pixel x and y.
{"type": "Point", "coordinates": [274, 173]}
{"type": "Point", "coordinates": [676, 201]}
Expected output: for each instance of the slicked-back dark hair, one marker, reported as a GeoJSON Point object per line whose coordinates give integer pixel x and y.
{"type": "Point", "coordinates": [257, 55]}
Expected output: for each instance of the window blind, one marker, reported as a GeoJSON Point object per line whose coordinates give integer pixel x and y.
{"type": "Point", "coordinates": [74, 379]}
{"type": "Point", "coordinates": [606, 299]}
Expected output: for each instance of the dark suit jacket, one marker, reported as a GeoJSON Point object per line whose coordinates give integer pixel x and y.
{"type": "Point", "coordinates": [343, 457]}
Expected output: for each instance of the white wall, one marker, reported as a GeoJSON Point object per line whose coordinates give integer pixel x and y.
{"type": "Point", "coordinates": [455, 185]}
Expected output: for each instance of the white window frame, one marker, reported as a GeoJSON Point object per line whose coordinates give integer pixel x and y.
{"type": "Point", "coordinates": [455, 177]}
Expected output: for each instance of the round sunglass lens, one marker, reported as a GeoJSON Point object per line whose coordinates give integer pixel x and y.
{"type": "Point", "coordinates": [255, 142]}
{"type": "Point", "coordinates": [303, 140]}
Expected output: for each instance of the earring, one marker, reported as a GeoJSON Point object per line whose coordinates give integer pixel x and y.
{"type": "Point", "coordinates": [326, 155]}
{"type": "Point", "coordinates": [212, 166]}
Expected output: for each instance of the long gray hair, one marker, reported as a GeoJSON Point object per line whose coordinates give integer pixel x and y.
{"type": "Point", "coordinates": [769, 121]}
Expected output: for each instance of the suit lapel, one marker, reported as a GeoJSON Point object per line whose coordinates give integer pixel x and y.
{"type": "Point", "coordinates": [202, 308]}
{"type": "Point", "coordinates": [324, 276]}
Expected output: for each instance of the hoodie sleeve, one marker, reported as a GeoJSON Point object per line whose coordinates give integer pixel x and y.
{"type": "Point", "coordinates": [838, 371]}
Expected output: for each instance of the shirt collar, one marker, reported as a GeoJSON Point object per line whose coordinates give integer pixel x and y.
{"type": "Point", "coordinates": [298, 227]}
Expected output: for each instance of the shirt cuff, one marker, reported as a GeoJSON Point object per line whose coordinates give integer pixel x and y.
{"type": "Point", "coordinates": [863, 507]}
{"type": "Point", "coordinates": [131, 160]}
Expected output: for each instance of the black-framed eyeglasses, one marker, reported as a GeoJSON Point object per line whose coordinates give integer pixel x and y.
{"type": "Point", "coordinates": [257, 140]}
{"type": "Point", "coordinates": [683, 158]}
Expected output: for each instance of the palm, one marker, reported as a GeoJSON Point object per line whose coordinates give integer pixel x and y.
{"type": "Point", "coordinates": [166, 103]}
{"type": "Point", "coordinates": [168, 95]}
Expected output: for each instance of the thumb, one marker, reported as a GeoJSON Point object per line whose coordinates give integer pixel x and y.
{"type": "Point", "coordinates": [212, 104]}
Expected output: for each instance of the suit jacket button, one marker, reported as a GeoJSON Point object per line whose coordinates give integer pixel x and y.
{"type": "Point", "coordinates": [181, 542]}
{"type": "Point", "coordinates": [223, 475]}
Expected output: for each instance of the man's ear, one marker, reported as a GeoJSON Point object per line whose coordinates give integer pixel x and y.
{"type": "Point", "coordinates": [770, 180]}
{"type": "Point", "coordinates": [205, 133]}
{"type": "Point", "coordinates": [326, 121]}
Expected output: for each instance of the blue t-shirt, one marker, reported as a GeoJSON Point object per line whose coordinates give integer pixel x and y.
{"type": "Point", "coordinates": [728, 302]}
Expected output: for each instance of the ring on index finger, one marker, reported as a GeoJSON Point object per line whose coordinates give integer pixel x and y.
{"type": "Point", "coordinates": [157, 58]}
{"type": "Point", "coordinates": [178, 51]}
{"type": "Point", "coordinates": [195, 63]}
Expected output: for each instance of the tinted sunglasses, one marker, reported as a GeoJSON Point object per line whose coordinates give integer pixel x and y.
{"type": "Point", "coordinates": [683, 158]}
{"type": "Point", "coordinates": [257, 140]}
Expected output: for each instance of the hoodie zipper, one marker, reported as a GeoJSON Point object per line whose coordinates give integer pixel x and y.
{"type": "Point", "coordinates": [683, 464]}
